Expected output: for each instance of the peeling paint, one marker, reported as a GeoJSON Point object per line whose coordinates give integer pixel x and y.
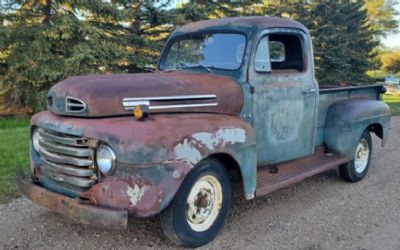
{"type": "Point", "coordinates": [135, 194]}
{"type": "Point", "coordinates": [187, 153]}
{"type": "Point", "coordinates": [189, 150]}
{"type": "Point", "coordinates": [222, 136]}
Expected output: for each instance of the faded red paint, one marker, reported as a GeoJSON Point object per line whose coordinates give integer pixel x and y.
{"type": "Point", "coordinates": [103, 94]}
{"type": "Point", "coordinates": [113, 192]}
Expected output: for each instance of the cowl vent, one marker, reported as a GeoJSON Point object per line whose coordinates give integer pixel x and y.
{"type": "Point", "coordinates": [74, 105]}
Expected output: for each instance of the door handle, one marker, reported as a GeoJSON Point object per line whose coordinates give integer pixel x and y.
{"type": "Point", "coordinates": [309, 91]}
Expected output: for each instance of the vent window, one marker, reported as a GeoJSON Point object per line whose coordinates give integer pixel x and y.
{"type": "Point", "coordinates": [74, 105]}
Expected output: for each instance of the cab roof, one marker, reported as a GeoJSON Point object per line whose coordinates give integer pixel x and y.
{"type": "Point", "coordinates": [260, 22]}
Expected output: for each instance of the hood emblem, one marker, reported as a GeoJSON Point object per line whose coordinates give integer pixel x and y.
{"type": "Point", "coordinates": [74, 105]}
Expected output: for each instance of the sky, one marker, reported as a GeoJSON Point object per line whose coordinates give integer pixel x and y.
{"type": "Point", "coordinates": [393, 40]}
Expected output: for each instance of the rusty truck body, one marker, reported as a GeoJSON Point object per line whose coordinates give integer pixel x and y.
{"type": "Point", "coordinates": [229, 95]}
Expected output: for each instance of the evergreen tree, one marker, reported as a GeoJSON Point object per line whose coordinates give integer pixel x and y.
{"type": "Point", "coordinates": [45, 41]}
{"type": "Point", "coordinates": [50, 40]}
{"type": "Point", "coordinates": [343, 42]}
{"type": "Point", "coordinates": [191, 11]}
{"type": "Point", "coordinates": [342, 38]}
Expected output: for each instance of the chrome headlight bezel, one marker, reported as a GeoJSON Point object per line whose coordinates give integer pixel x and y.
{"type": "Point", "coordinates": [105, 159]}
{"type": "Point", "coordinates": [35, 140]}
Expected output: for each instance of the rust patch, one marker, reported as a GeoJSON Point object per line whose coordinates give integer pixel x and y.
{"type": "Point", "coordinates": [71, 208]}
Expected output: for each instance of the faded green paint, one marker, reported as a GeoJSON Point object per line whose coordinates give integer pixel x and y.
{"type": "Point", "coordinates": [346, 121]}
{"type": "Point", "coordinates": [284, 112]}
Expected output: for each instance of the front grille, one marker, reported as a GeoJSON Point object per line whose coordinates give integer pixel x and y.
{"type": "Point", "coordinates": [67, 159]}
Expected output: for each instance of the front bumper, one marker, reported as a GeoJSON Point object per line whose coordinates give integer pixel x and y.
{"type": "Point", "coordinates": [72, 208]}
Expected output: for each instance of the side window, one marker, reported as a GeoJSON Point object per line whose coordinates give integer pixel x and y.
{"type": "Point", "coordinates": [279, 53]}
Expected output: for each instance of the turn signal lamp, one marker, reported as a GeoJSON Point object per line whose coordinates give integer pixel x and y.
{"type": "Point", "coordinates": [140, 112]}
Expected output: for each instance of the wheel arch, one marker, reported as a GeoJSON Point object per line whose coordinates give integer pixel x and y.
{"type": "Point", "coordinates": [377, 129]}
{"type": "Point", "coordinates": [232, 166]}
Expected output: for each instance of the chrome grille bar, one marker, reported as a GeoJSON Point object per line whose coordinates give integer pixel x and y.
{"type": "Point", "coordinates": [72, 180]}
{"type": "Point", "coordinates": [70, 170]}
{"type": "Point", "coordinates": [81, 162]}
{"type": "Point", "coordinates": [67, 159]}
{"type": "Point", "coordinates": [78, 142]}
{"type": "Point", "coordinates": [52, 147]}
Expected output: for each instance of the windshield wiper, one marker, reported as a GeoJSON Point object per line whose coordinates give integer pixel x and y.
{"type": "Point", "coordinates": [170, 70]}
{"type": "Point", "coordinates": [208, 68]}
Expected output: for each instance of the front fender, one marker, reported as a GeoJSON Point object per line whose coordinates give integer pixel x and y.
{"type": "Point", "coordinates": [346, 121]}
{"type": "Point", "coordinates": [155, 155]}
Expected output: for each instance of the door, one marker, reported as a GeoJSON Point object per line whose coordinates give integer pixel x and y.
{"type": "Point", "coordinates": [285, 96]}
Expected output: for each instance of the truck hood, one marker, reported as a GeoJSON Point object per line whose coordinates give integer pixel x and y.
{"type": "Point", "coordinates": [161, 92]}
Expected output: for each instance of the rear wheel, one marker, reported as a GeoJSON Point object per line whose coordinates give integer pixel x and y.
{"type": "Point", "coordinates": [356, 169]}
{"type": "Point", "coordinates": [200, 207]}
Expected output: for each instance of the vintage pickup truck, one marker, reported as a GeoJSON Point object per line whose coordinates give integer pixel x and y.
{"type": "Point", "coordinates": [230, 97]}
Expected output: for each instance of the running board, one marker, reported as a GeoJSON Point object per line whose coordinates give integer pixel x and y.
{"type": "Point", "coordinates": [274, 177]}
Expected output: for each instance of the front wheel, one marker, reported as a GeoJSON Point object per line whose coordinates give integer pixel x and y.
{"type": "Point", "coordinates": [200, 207]}
{"type": "Point", "coordinates": [356, 169]}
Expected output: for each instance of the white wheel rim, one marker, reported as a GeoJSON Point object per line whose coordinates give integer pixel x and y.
{"type": "Point", "coordinates": [362, 156]}
{"type": "Point", "coordinates": [204, 203]}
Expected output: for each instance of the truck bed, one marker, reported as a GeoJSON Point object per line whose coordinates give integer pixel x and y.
{"type": "Point", "coordinates": [329, 94]}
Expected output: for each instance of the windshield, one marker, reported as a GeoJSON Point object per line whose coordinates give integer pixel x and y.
{"type": "Point", "coordinates": [218, 50]}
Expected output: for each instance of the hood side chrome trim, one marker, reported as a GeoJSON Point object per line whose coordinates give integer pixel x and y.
{"type": "Point", "coordinates": [170, 98]}
{"type": "Point", "coordinates": [131, 103]}
{"type": "Point", "coordinates": [174, 106]}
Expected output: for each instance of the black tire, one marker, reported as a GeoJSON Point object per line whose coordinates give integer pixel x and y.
{"type": "Point", "coordinates": [173, 219]}
{"type": "Point", "coordinates": [349, 171]}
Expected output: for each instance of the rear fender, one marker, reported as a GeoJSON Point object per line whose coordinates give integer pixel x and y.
{"type": "Point", "coordinates": [346, 121]}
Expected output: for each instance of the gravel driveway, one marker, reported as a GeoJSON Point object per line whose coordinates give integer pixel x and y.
{"type": "Point", "coordinates": [322, 212]}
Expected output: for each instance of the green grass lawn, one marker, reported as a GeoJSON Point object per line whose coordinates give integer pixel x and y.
{"type": "Point", "coordinates": [14, 153]}
{"type": "Point", "coordinates": [394, 103]}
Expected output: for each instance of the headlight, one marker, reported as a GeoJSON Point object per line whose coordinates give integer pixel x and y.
{"type": "Point", "coordinates": [105, 158]}
{"type": "Point", "coordinates": [35, 140]}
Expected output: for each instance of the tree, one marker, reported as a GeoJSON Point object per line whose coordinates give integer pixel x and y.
{"type": "Point", "coordinates": [381, 16]}
{"type": "Point", "coordinates": [50, 40]}
{"type": "Point", "coordinates": [342, 38]}
{"type": "Point", "coordinates": [45, 41]}
{"type": "Point", "coordinates": [343, 41]}
{"type": "Point", "coordinates": [391, 61]}
{"type": "Point", "coordinates": [191, 11]}
{"type": "Point", "coordinates": [4, 52]}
